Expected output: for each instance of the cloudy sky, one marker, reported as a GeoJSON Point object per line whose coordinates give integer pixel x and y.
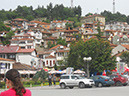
{"type": "Point", "coordinates": [93, 6]}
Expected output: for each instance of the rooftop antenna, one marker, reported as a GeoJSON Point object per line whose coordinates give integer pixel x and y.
{"type": "Point", "coordinates": [71, 3]}
{"type": "Point", "coordinates": [113, 6]}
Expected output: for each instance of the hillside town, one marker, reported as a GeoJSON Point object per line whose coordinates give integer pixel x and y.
{"type": "Point", "coordinates": [29, 48]}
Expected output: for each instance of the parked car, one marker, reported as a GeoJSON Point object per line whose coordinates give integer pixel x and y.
{"type": "Point", "coordinates": [119, 79]}
{"type": "Point", "coordinates": [101, 80]}
{"type": "Point", "coordinates": [73, 80]}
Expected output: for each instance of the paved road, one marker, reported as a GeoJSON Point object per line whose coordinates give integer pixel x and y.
{"type": "Point", "coordinates": [56, 91]}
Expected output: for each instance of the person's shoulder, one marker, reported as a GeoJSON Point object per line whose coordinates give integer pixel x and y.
{"type": "Point", "coordinates": [10, 91]}
{"type": "Point", "coordinates": [28, 92]}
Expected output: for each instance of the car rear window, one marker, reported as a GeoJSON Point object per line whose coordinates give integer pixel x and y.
{"type": "Point", "coordinates": [64, 77]}
{"type": "Point", "coordinates": [123, 76]}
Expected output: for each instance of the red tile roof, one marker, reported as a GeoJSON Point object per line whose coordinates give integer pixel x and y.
{"type": "Point", "coordinates": [50, 38]}
{"type": "Point", "coordinates": [9, 49]}
{"type": "Point", "coordinates": [73, 30]}
{"type": "Point", "coordinates": [94, 16]}
{"type": "Point", "coordinates": [19, 19]}
{"type": "Point", "coordinates": [3, 59]}
{"type": "Point", "coordinates": [59, 21]}
{"type": "Point", "coordinates": [42, 23]}
{"type": "Point", "coordinates": [45, 32]}
{"type": "Point", "coordinates": [20, 66]}
{"type": "Point", "coordinates": [62, 51]}
{"type": "Point", "coordinates": [4, 32]}
{"type": "Point", "coordinates": [22, 39]}
{"type": "Point", "coordinates": [55, 47]}
{"type": "Point", "coordinates": [50, 56]}
{"type": "Point", "coordinates": [42, 52]}
{"type": "Point", "coordinates": [126, 46]}
{"type": "Point", "coordinates": [25, 50]}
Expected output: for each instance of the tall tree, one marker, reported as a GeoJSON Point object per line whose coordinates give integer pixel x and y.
{"type": "Point", "coordinates": [125, 57]}
{"type": "Point", "coordinates": [98, 50]}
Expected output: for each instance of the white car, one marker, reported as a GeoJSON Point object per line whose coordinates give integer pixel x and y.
{"type": "Point", "coordinates": [73, 80]}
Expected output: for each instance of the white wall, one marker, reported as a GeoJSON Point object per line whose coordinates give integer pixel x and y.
{"type": "Point", "coordinates": [27, 59]}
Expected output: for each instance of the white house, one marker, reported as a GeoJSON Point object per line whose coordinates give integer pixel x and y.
{"type": "Point", "coordinates": [24, 41]}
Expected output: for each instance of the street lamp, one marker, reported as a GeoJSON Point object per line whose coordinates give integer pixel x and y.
{"type": "Point", "coordinates": [87, 59]}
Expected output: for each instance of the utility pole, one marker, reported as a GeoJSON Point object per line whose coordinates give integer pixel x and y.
{"type": "Point", "coordinates": [113, 6]}
{"type": "Point", "coordinates": [71, 3]}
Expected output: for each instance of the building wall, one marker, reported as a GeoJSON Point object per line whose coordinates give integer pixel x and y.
{"type": "Point", "coordinates": [50, 62]}
{"type": "Point", "coordinates": [5, 66]}
{"type": "Point", "coordinates": [118, 49]}
{"type": "Point", "coordinates": [27, 59]}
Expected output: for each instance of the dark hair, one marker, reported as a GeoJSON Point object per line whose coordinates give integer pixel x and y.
{"type": "Point", "coordinates": [14, 76]}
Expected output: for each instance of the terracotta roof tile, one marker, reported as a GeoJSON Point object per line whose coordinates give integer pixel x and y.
{"type": "Point", "coordinates": [50, 38]}
{"type": "Point", "coordinates": [50, 56]}
{"type": "Point", "coordinates": [62, 51]}
{"type": "Point", "coordinates": [20, 66]}
{"type": "Point", "coordinates": [126, 46]}
{"type": "Point", "coordinates": [19, 19]}
{"type": "Point", "coordinates": [22, 39]}
{"type": "Point", "coordinates": [44, 52]}
{"type": "Point", "coordinates": [55, 47]}
{"type": "Point", "coordinates": [9, 49]}
{"type": "Point", "coordinates": [25, 50]}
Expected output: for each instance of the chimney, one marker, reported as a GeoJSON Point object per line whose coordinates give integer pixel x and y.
{"type": "Point", "coordinates": [68, 28]}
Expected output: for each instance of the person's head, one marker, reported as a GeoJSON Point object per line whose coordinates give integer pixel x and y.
{"type": "Point", "coordinates": [13, 80]}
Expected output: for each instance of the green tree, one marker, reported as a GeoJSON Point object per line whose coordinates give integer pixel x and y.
{"type": "Point", "coordinates": [42, 75]}
{"type": "Point", "coordinates": [29, 17]}
{"type": "Point", "coordinates": [61, 41]}
{"type": "Point", "coordinates": [99, 35]}
{"type": "Point", "coordinates": [125, 57]}
{"type": "Point", "coordinates": [8, 37]}
{"type": "Point", "coordinates": [3, 27]}
{"type": "Point", "coordinates": [68, 25]}
{"type": "Point", "coordinates": [50, 45]}
{"type": "Point", "coordinates": [98, 50]}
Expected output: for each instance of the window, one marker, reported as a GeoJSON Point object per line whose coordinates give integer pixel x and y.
{"type": "Point", "coordinates": [73, 77]}
{"type": "Point", "coordinates": [50, 63]}
{"type": "Point", "coordinates": [22, 42]}
{"type": "Point", "coordinates": [11, 56]}
{"type": "Point", "coordinates": [53, 61]}
{"type": "Point", "coordinates": [22, 47]}
{"type": "Point", "coordinates": [29, 41]}
{"type": "Point", "coordinates": [65, 77]}
{"type": "Point", "coordinates": [29, 47]}
{"type": "Point", "coordinates": [47, 62]}
{"type": "Point", "coordinates": [8, 65]}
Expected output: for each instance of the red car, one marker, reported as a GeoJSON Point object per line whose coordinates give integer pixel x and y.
{"type": "Point", "coordinates": [119, 79]}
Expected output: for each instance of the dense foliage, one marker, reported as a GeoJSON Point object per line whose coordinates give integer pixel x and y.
{"type": "Point", "coordinates": [99, 50]}
{"type": "Point", "coordinates": [125, 57]}
{"type": "Point", "coordinates": [57, 12]}
{"type": "Point", "coordinates": [110, 17]}
{"type": "Point", "coordinates": [42, 75]}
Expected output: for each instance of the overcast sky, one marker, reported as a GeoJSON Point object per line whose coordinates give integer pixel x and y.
{"type": "Point", "coordinates": [93, 6]}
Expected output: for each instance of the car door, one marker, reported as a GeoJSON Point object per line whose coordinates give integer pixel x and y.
{"type": "Point", "coordinates": [74, 80]}
{"type": "Point", "coordinates": [67, 80]}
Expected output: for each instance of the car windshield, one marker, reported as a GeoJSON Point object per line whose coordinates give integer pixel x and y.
{"type": "Point", "coordinates": [81, 77]}
{"type": "Point", "coordinates": [105, 77]}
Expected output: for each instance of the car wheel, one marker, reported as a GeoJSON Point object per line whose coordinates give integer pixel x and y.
{"type": "Point", "coordinates": [125, 84]}
{"type": "Point", "coordinates": [118, 83]}
{"type": "Point", "coordinates": [81, 85]}
{"type": "Point", "coordinates": [71, 87]}
{"type": "Point", "coordinates": [100, 84]}
{"type": "Point", "coordinates": [63, 86]}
